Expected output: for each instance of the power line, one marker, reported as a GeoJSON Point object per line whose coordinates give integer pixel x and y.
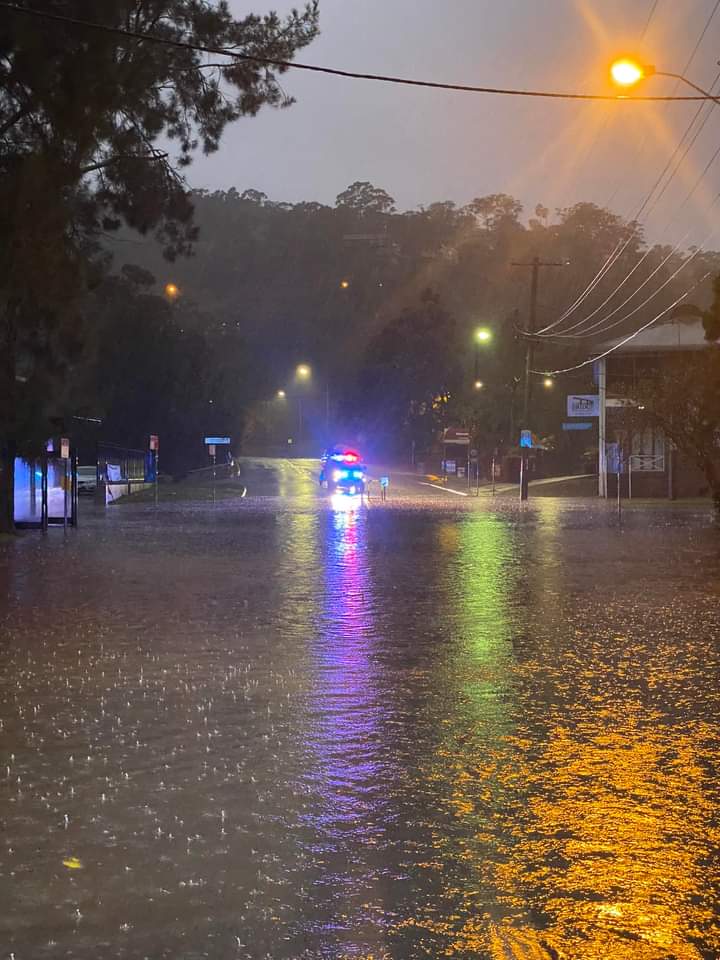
{"type": "Point", "coordinates": [616, 323]}
{"type": "Point", "coordinates": [620, 247]}
{"type": "Point", "coordinates": [585, 333]}
{"type": "Point", "coordinates": [649, 20]}
{"type": "Point", "coordinates": [294, 65]}
{"type": "Point", "coordinates": [621, 343]}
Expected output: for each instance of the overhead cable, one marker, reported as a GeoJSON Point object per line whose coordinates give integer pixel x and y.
{"type": "Point", "coordinates": [350, 74]}
{"type": "Point", "coordinates": [621, 343]}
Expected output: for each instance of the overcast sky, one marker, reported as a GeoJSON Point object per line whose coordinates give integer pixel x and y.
{"type": "Point", "coordinates": [424, 146]}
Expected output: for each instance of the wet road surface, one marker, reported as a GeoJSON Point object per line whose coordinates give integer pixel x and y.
{"type": "Point", "coordinates": [285, 727]}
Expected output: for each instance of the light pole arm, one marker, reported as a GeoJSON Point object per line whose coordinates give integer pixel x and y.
{"type": "Point", "coordinates": [689, 83]}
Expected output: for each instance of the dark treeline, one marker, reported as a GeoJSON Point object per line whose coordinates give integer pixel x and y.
{"type": "Point", "coordinates": [383, 305]}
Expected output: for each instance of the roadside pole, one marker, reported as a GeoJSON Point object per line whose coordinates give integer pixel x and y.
{"type": "Point", "coordinates": [155, 453]}
{"type": "Point", "coordinates": [65, 456]}
{"type": "Point", "coordinates": [602, 428]}
{"type": "Point", "coordinates": [535, 264]}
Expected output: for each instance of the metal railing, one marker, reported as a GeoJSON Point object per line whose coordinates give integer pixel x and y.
{"type": "Point", "coordinates": [644, 463]}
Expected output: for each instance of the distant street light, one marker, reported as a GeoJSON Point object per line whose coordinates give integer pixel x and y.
{"type": "Point", "coordinates": [344, 284]}
{"type": "Point", "coordinates": [172, 291]}
{"type": "Point", "coordinates": [482, 337]}
{"type": "Point", "coordinates": [627, 72]}
{"type": "Point", "coordinates": [280, 394]}
{"type": "Point", "coordinates": [303, 371]}
{"type": "Point", "coordinates": [478, 385]}
{"type": "Point", "coordinates": [548, 383]}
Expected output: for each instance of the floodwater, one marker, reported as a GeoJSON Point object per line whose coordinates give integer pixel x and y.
{"type": "Point", "coordinates": [280, 727]}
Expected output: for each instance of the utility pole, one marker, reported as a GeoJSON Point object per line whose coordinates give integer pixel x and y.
{"type": "Point", "coordinates": [535, 264]}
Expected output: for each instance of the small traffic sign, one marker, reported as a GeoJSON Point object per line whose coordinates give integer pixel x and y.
{"type": "Point", "coordinates": [154, 441]}
{"type": "Point", "coordinates": [217, 441]}
{"type": "Point", "coordinates": [64, 448]}
{"type": "Point", "coordinates": [211, 449]}
{"type": "Point", "coordinates": [526, 439]}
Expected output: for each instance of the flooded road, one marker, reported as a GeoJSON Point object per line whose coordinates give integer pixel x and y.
{"type": "Point", "coordinates": [287, 727]}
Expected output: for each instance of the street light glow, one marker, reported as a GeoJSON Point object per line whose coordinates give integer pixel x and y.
{"type": "Point", "coordinates": [281, 394]}
{"type": "Point", "coordinates": [626, 72]}
{"type": "Point", "coordinates": [303, 371]}
{"type": "Point", "coordinates": [344, 284]}
{"type": "Point", "coordinates": [548, 383]}
{"type": "Point", "coordinates": [172, 290]}
{"type": "Point", "coordinates": [483, 335]}
{"type": "Point", "coordinates": [478, 384]}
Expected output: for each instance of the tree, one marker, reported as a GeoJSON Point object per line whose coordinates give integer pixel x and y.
{"type": "Point", "coordinates": [364, 198]}
{"type": "Point", "coordinates": [683, 400]}
{"type": "Point", "coordinates": [82, 112]}
{"type": "Point", "coordinates": [710, 317]}
{"type": "Point", "coordinates": [409, 376]}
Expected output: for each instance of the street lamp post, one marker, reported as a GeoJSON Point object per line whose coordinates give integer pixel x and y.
{"type": "Point", "coordinates": [628, 72]}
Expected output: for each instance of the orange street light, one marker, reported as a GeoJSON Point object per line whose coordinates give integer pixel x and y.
{"type": "Point", "coordinates": [172, 291]}
{"type": "Point", "coordinates": [627, 72]}
{"type": "Point", "coordinates": [344, 284]}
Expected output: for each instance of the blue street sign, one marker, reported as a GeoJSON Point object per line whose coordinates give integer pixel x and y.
{"type": "Point", "coordinates": [216, 441]}
{"type": "Point", "coordinates": [526, 438]}
{"type": "Point", "coordinates": [577, 426]}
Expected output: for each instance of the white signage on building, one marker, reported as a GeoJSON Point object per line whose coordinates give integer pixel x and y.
{"type": "Point", "coordinates": [583, 405]}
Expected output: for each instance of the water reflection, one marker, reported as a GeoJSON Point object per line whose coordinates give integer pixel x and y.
{"type": "Point", "coordinates": [351, 767]}
{"type": "Point", "coordinates": [362, 733]}
{"type": "Point", "coordinates": [618, 846]}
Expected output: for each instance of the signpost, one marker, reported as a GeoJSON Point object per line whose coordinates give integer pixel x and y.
{"type": "Point", "coordinates": [212, 443]}
{"type": "Point", "coordinates": [65, 456]}
{"type": "Point", "coordinates": [155, 449]}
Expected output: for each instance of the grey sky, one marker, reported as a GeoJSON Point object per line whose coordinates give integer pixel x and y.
{"type": "Point", "coordinates": [424, 145]}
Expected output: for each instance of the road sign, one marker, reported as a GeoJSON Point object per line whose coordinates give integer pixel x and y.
{"type": "Point", "coordinates": [621, 402]}
{"type": "Point", "coordinates": [211, 449]}
{"type": "Point", "coordinates": [64, 448]}
{"type": "Point", "coordinates": [217, 441]}
{"type": "Point", "coordinates": [473, 454]}
{"type": "Point", "coordinates": [384, 481]}
{"type": "Point", "coordinates": [154, 441]}
{"type": "Point", "coordinates": [577, 426]}
{"type": "Point", "coordinates": [526, 439]}
{"type": "Point", "coordinates": [457, 436]}
{"type": "Point", "coordinates": [583, 405]}
{"type": "Point", "coordinates": [450, 466]}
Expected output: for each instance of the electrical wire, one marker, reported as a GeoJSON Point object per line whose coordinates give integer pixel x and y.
{"type": "Point", "coordinates": [621, 246]}
{"type": "Point", "coordinates": [585, 333]}
{"type": "Point", "coordinates": [616, 323]}
{"type": "Point", "coordinates": [294, 65]}
{"type": "Point", "coordinates": [621, 343]}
